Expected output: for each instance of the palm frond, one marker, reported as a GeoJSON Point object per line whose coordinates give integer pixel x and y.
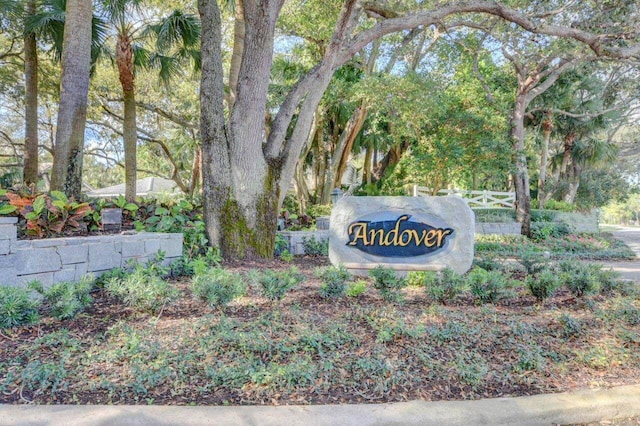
{"type": "Point", "coordinates": [176, 30]}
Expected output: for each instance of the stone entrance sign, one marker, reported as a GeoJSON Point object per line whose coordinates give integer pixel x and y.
{"type": "Point", "coordinates": [403, 233]}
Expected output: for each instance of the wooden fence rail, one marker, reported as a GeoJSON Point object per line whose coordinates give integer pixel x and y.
{"type": "Point", "coordinates": [477, 199]}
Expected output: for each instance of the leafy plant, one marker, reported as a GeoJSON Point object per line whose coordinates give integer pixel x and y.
{"type": "Point", "coordinates": [580, 279]}
{"type": "Point", "coordinates": [274, 285]}
{"type": "Point", "coordinates": [420, 278]}
{"type": "Point", "coordinates": [334, 281]}
{"type": "Point", "coordinates": [217, 287]}
{"type": "Point", "coordinates": [542, 285]}
{"type": "Point", "coordinates": [533, 262]}
{"type": "Point", "coordinates": [486, 286]}
{"type": "Point", "coordinates": [313, 247]}
{"type": "Point", "coordinates": [570, 326]}
{"type": "Point", "coordinates": [142, 290]}
{"type": "Point", "coordinates": [285, 256]}
{"type": "Point", "coordinates": [446, 287]}
{"type": "Point", "coordinates": [66, 299]}
{"type": "Point", "coordinates": [49, 214]}
{"type": "Point", "coordinates": [16, 307]}
{"type": "Point", "coordinates": [387, 283]}
{"type": "Point", "coordinates": [356, 288]}
{"type": "Point", "coordinates": [545, 230]}
{"type": "Point", "coordinates": [5, 207]}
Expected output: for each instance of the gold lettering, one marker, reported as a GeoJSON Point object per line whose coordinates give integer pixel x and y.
{"type": "Point", "coordinates": [443, 233]}
{"type": "Point", "coordinates": [376, 233]}
{"type": "Point", "coordinates": [361, 233]}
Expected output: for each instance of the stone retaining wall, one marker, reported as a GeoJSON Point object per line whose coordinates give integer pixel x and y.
{"type": "Point", "coordinates": [295, 239]}
{"type": "Point", "coordinates": [508, 228]}
{"type": "Point", "coordinates": [67, 259]}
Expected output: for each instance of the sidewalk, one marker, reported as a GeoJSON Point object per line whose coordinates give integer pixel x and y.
{"type": "Point", "coordinates": [629, 269]}
{"type": "Point", "coordinates": [566, 408]}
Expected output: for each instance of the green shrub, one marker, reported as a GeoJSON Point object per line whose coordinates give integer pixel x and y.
{"type": "Point", "coordinates": [579, 278]}
{"type": "Point", "coordinates": [316, 210]}
{"type": "Point", "coordinates": [217, 287]}
{"type": "Point", "coordinates": [488, 263]}
{"type": "Point", "coordinates": [486, 286]}
{"type": "Point", "coordinates": [542, 216]}
{"type": "Point", "coordinates": [541, 231]}
{"type": "Point", "coordinates": [142, 290]}
{"type": "Point", "coordinates": [446, 287]}
{"type": "Point", "coordinates": [610, 283]}
{"type": "Point", "coordinates": [542, 285]}
{"type": "Point", "coordinates": [356, 288]}
{"type": "Point", "coordinates": [313, 247]}
{"type": "Point", "coordinates": [570, 326]}
{"type": "Point", "coordinates": [420, 278]}
{"type": "Point", "coordinates": [274, 285]}
{"type": "Point", "coordinates": [387, 283]}
{"type": "Point", "coordinates": [533, 262]}
{"type": "Point", "coordinates": [285, 256]}
{"type": "Point", "coordinates": [118, 273]}
{"type": "Point", "coordinates": [16, 307]}
{"type": "Point", "coordinates": [334, 281]}
{"type": "Point", "coordinates": [64, 300]}
{"type": "Point", "coordinates": [561, 206]}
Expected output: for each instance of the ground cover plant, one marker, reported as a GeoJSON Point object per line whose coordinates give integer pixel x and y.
{"type": "Point", "coordinates": [308, 349]}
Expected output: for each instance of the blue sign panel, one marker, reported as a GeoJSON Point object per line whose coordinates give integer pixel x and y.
{"type": "Point", "coordinates": [399, 237]}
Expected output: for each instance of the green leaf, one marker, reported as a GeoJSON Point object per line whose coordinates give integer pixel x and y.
{"type": "Point", "coordinates": [131, 207]}
{"type": "Point", "coordinates": [31, 216]}
{"type": "Point", "coordinates": [58, 195]}
{"type": "Point", "coordinates": [152, 220]}
{"type": "Point", "coordinates": [2, 192]}
{"type": "Point", "coordinates": [161, 211]}
{"type": "Point", "coordinates": [7, 209]}
{"type": "Point", "coordinates": [38, 205]}
{"type": "Point", "coordinates": [60, 204]}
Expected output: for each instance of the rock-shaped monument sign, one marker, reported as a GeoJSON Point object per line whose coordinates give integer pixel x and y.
{"type": "Point", "coordinates": [403, 233]}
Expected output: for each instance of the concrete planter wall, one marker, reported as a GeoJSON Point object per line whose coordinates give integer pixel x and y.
{"type": "Point", "coordinates": [67, 259]}
{"type": "Point", "coordinates": [295, 239]}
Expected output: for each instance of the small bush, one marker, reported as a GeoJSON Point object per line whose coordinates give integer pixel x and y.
{"type": "Point", "coordinates": [543, 230]}
{"type": "Point", "coordinates": [274, 285]}
{"type": "Point", "coordinates": [570, 327]}
{"type": "Point", "coordinates": [533, 262]}
{"type": "Point", "coordinates": [420, 278]}
{"type": "Point", "coordinates": [285, 256]}
{"type": "Point", "coordinates": [446, 287]}
{"type": "Point", "coordinates": [387, 283]}
{"type": "Point", "coordinates": [334, 281]}
{"type": "Point", "coordinates": [118, 273]}
{"type": "Point", "coordinates": [543, 285]}
{"type": "Point", "coordinates": [356, 288]}
{"type": "Point", "coordinates": [610, 283]}
{"type": "Point", "coordinates": [313, 247]}
{"type": "Point", "coordinates": [486, 286]}
{"type": "Point", "coordinates": [580, 279]}
{"type": "Point", "coordinates": [488, 263]}
{"type": "Point", "coordinates": [16, 307]}
{"type": "Point", "coordinates": [217, 287]}
{"type": "Point", "coordinates": [142, 290]}
{"type": "Point", "coordinates": [66, 299]}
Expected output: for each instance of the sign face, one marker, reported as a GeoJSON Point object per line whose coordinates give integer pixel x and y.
{"type": "Point", "coordinates": [401, 237]}
{"type": "Point", "coordinates": [402, 233]}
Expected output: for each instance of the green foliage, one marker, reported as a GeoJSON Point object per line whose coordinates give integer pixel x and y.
{"type": "Point", "coordinates": [285, 256]}
{"type": "Point", "coordinates": [579, 278]}
{"type": "Point", "coordinates": [333, 281]}
{"type": "Point", "coordinates": [217, 287]}
{"type": "Point", "coordinates": [486, 286]}
{"type": "Point", "coordinates": [313, 247]}
{"type": "Point", "coordinates": [49, 214]}
{"type": "Point", "coordinates": [561, 206]}
{"type": "Point", "coordinates": [533, 262]}
{"type": "Point", "coordinates": [471, 369]}
{"type": "Point", "coordinates": [542, 216]}
{"type": "Point", "coordinates": [495, 215]}
{"type": "Point", "coordinates": [487, 262]}
{"type": "Point", "coordinates": [143, 289]}
{"type": "Point", "coordinates": [420, 278]}
{"type": "Point", "coordinates": [541, 231]}
{"type": "Point", "coordinates": [570, 326]}
{"type": "Point", "coordinates": [542, 285]}
{"type": "Point", "coordinates": [356, 288]}
{"type": "Point", "coordinates": [16, 307]}
{"type": "Point", "coordinates": [274, 285]}
{"type": "Point", "coordinates": [529, 359]}
{"type": "Point", "coordinates": [66, 299]}
{"type": "Point", "coordinates": [387, 283]}
{"type": "Point", "coordinates": [446, 287]}
{"type": "Point", "coordinates": [281, 244]}
{"type": "Point", "coordinates": [317, 210]}
{"type": "Point", "coordinates": [117, 273]}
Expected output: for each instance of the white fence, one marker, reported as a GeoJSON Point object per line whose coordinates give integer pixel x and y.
{"type": "Point", "coordinates": [477, 199]}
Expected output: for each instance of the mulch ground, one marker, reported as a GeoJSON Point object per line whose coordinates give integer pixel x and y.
{"type": "Point", "coordinates": [309, 350]}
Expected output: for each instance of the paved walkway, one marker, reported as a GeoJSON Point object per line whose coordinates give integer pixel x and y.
{"type": "Point", "coordinates": [581, 407]}
{"type": "Point", "coordinates": [629, 269]}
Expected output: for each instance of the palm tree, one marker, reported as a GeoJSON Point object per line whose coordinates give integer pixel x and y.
{"type": "Point", "coordinates": [177, 34]}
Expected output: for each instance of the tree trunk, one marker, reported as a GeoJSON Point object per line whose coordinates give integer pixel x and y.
{"type": "Point", "coordinates": [238, 49]}
{"type": "Point", "coordinates": [547, 125]}
{"type": "Point", "coordinates": [390, 159]}
{"type": "Point", "coordinates": [124, 61]}
{"type": "Point", "coordinates": [367, 164]}
{"type": "Point", "coordinates": [345, 143]}
{"type": "Point", "coordinates": [573, 181]}
{"type": "Point", "coordinates": [195, 170]}
{"type": "Point", "coordinates": [30, 165]}
{"type": "Point", "coordinates": [66, 173]}
{"type": "Point", "coordinates": [521, 175]}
